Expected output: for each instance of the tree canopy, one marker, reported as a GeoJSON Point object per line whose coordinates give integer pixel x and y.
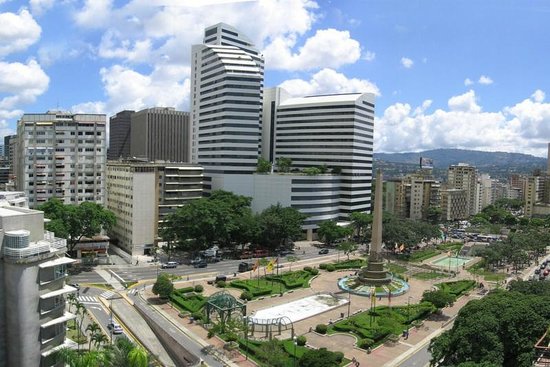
{"type": "Point", "coordinates": [278, 224]}
{"type": "Point", "coordinates": [73, 222]}
{"type": "Point", "coordinates": [396, 231]}
{"type": "Point", "coordinates": [329, 231]}
{"type": "Point", "coordinates": [499, 329]}
{"type": "Point", "coordinates": [163, 287]}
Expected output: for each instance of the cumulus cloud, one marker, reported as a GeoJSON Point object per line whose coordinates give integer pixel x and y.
{"type": "Point", "coordinates": [407, 63]}
{"type": "Point", "coordinates": [38, 7]}
{"type": "Point", "coordinates": [22, 83]}
{"type": "Point", "coordinates": [468, 82]}
{"type": "Point", "coordinates": [369, 55]}
{"type": "Point", "coordinates": [94, 14]}
{"type": "Point", "coordinates": [485, 80]}
{"type": "Point", "coordinates": [165, 86]}
{"type": "Point", "coordinates": [112, 46]}
{"type": "Point", "coordinates": [327, 48]}
{"type": "Point", "coordinates": [523, 127]}
{"type": "Point", "coordinates": [328, 81]}
{"type": "Point", "coordinates": [18, 31]}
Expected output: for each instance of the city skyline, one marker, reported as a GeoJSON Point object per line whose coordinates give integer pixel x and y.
{"type": "Point", "coordinates": [445, 75]}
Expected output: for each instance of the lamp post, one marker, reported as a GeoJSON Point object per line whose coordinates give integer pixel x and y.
{"type": "Point", "coordinates": [295, 342]}
{"type": "Point", "coordinates": [111, 324]}
{"type": "Point", "coordinates": [408, 308]}
{"type": "Point", "coordinates": [245, 318]}
{"type": "Point", "coordinates": [349, 301]}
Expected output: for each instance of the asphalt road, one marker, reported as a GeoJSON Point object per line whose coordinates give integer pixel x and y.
{"type": "Point", "coordinates": [131, 273]}
{"type": "Point", "coordinates": [419, 359]}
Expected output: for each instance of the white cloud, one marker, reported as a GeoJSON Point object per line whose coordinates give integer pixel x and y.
{"type": "Point", "coordinates": [328, 81]}
{"type": "Point", "coordinates": [468, 82]}
{"type": "Point", "coordinates": [38, 7]}
{"type": "Point", "coordinates": [22, 82]}
{"type": "Point", "coordinates": [485, 80]}
{"type": "Point", "coordinates": [465, 102]}
{"type": "Point", "coordinates": [94, 14]}
{"type": "Point", "coordinates": [369, 55]}
{"type": "Point", "coordinates": [327, 48]}
{"type": "Point", "coordinates": [523, 127]}
{"type": "Point", "coordinates": [18, 32]}
{"type": "Point", "coordinates": [406, 62]}
{"type": "Point", "coordinates": [165, 86]}
{"type": "Point", "coordinates": [112, 46]}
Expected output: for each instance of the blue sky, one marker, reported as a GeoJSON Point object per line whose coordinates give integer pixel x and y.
{"type": "Point", "coordinates": [468, 74]}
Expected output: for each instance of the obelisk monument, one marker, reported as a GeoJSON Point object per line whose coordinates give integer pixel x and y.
{"type": "Point", "coordinates": [374, 273]}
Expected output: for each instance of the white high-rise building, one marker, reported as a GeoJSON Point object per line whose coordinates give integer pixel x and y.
{"type": "Point", "coordinates": [62, 155]}
{"type": "Point", "coordinates": [463, 177]}
{"type": "Point", "coordinates": [333, 131]}
{"type": "Point", "coordinates": [226, 101]}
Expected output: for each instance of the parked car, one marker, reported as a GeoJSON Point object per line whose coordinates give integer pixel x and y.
{"type": "Point", "coordinates": [196, 260]}
{"type": "Point", "coordinates": [220, 278]}
{"type": "Point", "coordinates": [245, 267]}
{"type": "Point", "coordinates": [115, 328]}
{"type": "Point", "coordinates": [169, 265]}
{"type": "Point", "coordinates": [323, 251]}
{"type": "Point", "coordinates": [202, 264]}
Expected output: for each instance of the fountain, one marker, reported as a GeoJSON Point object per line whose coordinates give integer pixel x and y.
{"type": "Point", "coordinates": [374, 278]}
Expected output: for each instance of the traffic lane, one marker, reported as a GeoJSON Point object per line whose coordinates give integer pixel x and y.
{"type": "Point", "coordinates": [419, 359]}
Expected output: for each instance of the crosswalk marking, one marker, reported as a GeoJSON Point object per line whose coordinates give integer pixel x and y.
{"type": "Point", "coordinates": [107, 294]}
{"type": "Point", "coordinates": [87, 299]}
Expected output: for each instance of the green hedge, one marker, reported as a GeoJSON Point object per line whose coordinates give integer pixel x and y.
{"type": "Point", "coordinates": [190, 302]}
{"type": "Point", "coordinates": [184, 290]}
{"type": "Point", "coordinates": [457, 288]}
{"type": "Point", "coordinates": [248, 285]}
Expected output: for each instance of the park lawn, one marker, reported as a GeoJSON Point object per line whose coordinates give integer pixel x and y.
{"type": "Point", "coordinates": [457, 288]}
{"type": "Point", "coordinates": [450, 246]}
{"type": "Point", "coordinates": [397, 269]}
{"type": "Point", "coordinates": [188, 301]}
{"type": "Point", "coordinates": [429, 275]}
{"type": "Point", "coordinates": [421, 255]}
{"type": "Point", "coordinates": [287, 358]}
{"type": "Point", "coordinates": [373, 328]}
{"type": "Point", "coordinates": [73, 335]}
{"type": "Point", "coordinates": [274, 284]}
{"type": "Point", "coordinates": [488, 275]}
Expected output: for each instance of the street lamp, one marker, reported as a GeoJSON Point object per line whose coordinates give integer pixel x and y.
{"type": "Point", "coordinates": [111, 323]}
{"type": "Point", "coordinates": [349, 301]}
{"type": "Point", "coordinates": [408, 308]}
{"type": "Point", "coordinates": [245, 318]}
{"type": "Point", "coordinates": [295, 342]}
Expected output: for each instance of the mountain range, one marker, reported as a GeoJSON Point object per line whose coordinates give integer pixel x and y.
{"type": "Point", "coordinates": [497, 164]}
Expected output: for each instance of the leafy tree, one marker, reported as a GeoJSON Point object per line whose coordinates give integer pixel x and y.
{"type": "Point", "coordinates": [336, 170]}
{"type": "Point", "coordinates": [274, 354]}
{"type": "Point", "coordinates": [329, 231]}
{"type": "Point", "coordinates": [347, 247]}
{"type": "Point", "coordinates": [93, 328]}
{"type": "Point", "coordinates": [73, 358]}
{"type": "Point", "coordinates": [163, 287]}
{"type": "Point", "coordinates": [279, 224]}
{"type": "Point", "coordinates": [263, 166]}
{"type": "Point", "coordinates": [284, 164]}
{"type": "Point", "coordinates": [76, 221]}
{"type": "Point", "coordinates": [319, 358]}
{"type": "Point", "coordinates": [499, 329]}
{"type": "Point", "coordinates": [311, 171]}
{"type": "Point", "coordinates": [396, 231]}
{"type": "Point", "coordinates": [361, 221]}
{"type": "Point", "coordinates": [323, 168]}
{"type": "Point", "coordinates": [438, 298]}
{"type": "Point", "coordinates": [291, 259]}
{"type": "Point", "coordinates": [433, 214]}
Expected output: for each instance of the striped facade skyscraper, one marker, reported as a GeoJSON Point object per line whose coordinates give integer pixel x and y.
{"type": "Point", "coordinates": [226, 101]}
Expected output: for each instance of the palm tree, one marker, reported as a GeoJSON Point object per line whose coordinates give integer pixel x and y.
{"type": "Point", "coordinates": [138, 357]}
{"type": "Point", "coordinates": [98, 339]}
{"type": "Point", "coordinates": [72, 358]}
{"type": "Point", "coordinates": [71, 298]}
{"type": "Point", "coordinates": [80, 310]}
{"type": "Point", "coordinates": [93, 329]}
{"type": "Point", "coordinates": [124, 353]}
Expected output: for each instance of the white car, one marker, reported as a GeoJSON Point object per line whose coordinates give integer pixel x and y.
{"type": "Point", "coordinates": [115, 328]}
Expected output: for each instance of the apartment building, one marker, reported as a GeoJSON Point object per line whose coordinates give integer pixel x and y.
{"type": "Point", "coordinates": [141, 194]}
{"type": "Point", "coordinates": [62, 155]}
{"type": "Point", "coordinates": [227, 74]}
{"type": "Point", "coordinates": [412, 196]}
{"type": "Point", "coordinates": [454, 204]}
{"type": "Point", "coordinates": [463, 177]}
{"type": "Point", "coordinates": [33, 319]}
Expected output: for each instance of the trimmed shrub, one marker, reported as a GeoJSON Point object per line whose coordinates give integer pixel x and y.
{"type": "Point", "coordinates": [321, 328]}
{"type": "Point", "coordinates": [184, 290]}
{"type": "Point", "coordinates": [221, 284]}
{"type": "Point", "coordinates": [231, 337]}
{"type": "Point", "coordinates": [330, 267]}
{"type": "Point", "coordinates": [198, 288]}
{"type": "Point", "coordinates": [323, 266]}
{"type": "Point", "coordinates": [246, 296]}
{"type": "Point", "coordinates": [365, 343]}
{"type": "Point", "coordinates": [210, 334]}
{"type": "Point", "coordinates": [301, 340]}
{"type": "Point", "coordinates": [314, 271]}
{"type": "Point", "coordinates": [339, 356]}
{"type": "Point", "coordinates": [308, 268]}
{"type": "Point", "coordinates": [197, 315]}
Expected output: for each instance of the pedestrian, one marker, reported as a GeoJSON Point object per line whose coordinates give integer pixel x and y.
{"type": "Point", "coordinates": [353, 360]}
{"type": "Point", "coordinates": [137, 262]}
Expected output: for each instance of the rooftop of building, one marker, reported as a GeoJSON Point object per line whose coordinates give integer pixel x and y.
{"type": "Point", "coordinates": [328, 99]}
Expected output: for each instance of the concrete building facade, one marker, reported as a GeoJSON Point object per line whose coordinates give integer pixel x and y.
{"type": "Point", "coordinates": [463, 177]}
{"type": "Point", "coordinates": [412, 196]}
{"type": "Point", "coordinates": [141, 194]}
{"type": "Point", "coordinates": [160, 133]}
{"type": "Point", "coordinates": [454, 204]}
{"type": "Point", "coordinates": [33, 320]}
{"type": "Point", "coordinates": [119, 135]}
{"type": "Point", "coordinates": [62, 155]}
